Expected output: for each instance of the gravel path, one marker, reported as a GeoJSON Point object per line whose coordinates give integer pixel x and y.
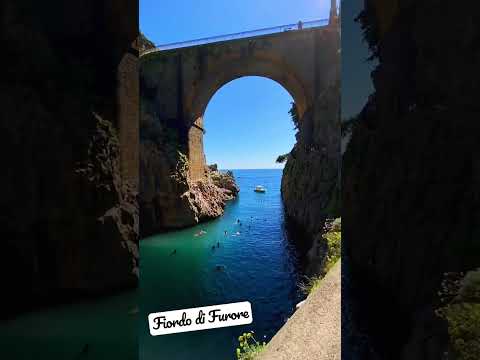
{"type": "Point", "coordinates": [313, 331]}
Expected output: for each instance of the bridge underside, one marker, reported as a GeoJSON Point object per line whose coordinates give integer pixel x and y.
{"type": "Point", "coordinates": [182, 81]}
{"type": "Point", "coordinates": [176, 86]}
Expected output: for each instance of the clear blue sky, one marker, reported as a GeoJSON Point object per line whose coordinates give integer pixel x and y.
{"type": "Point", "coordinates": [247, 120]}
{"type": "Point", "coordinates": [181, 20]}
{"type": "Point", "coordinates": [248, 124]}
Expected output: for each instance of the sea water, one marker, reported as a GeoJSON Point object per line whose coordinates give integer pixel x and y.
{"type": "Point", "coordinates": [255, 261]}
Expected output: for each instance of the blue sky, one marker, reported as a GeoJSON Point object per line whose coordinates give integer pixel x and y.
{"type": "Point", "coordinates": [247, 120]}
{"type": "Point", "coordinates": [248, 124]}
{"type": "Point", "coordinates": [181, 20]}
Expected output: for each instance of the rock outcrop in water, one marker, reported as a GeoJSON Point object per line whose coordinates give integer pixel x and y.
{"type": "Point", "coordinates": [410, 189]}
{"type": "Point", "coordinates": [169, 198]}
{"type": "Point", "coordinates": [69, 219]}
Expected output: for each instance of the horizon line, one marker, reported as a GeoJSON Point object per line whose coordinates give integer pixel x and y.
{"type": "Point", "coordinates": [277, 168]}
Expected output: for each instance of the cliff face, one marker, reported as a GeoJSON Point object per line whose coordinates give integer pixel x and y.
{"type": "Point", "coordinates": [169, 198]}
{"type": "Point", "coordinates": [69, 218]}
{"type": "Point", "coordinates": [310, 181]}
{"type": "Point", "coordinates": [410, 176]}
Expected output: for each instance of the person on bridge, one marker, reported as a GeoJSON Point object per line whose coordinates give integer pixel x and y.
{"type": "Point", "coordinates": [300, 25]}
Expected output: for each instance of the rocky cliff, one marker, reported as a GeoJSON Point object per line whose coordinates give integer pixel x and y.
{"type": "Point", "coordinates": [410, 175]}
{"type": "Point", "coordinates": [169, 198]}
{"type": "Point", "coordinates": [310, 181]}
{"type": "Point", "coordinates": [69, 219]}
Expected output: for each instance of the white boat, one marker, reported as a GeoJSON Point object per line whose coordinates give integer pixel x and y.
{"type": "Point", "coordinates": [260, 189]}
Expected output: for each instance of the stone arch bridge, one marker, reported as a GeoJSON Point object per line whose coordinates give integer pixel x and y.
{"type": "Point", "coordinates": [177, 83]}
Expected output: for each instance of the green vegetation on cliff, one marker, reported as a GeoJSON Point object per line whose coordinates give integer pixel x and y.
{"type": "Point", "coordinates": [294, 114]}
{"type": "Point", "coordinates": [462, 314]}
{"type": "Point", "coordinates": [282, 158]}
{"type": "Point", "coordinates": [333, 245]}
{"type": "Point", "coordinates": [249, 347]}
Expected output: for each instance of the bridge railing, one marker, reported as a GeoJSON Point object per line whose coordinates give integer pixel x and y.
{"type": "Point", "coordinates": [241, 35]}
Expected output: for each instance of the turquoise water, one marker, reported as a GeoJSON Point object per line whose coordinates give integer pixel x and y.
{"type": "Point", "coordinates": [94, 330]}
{"type": "Point", "coordinates": [260, 265]}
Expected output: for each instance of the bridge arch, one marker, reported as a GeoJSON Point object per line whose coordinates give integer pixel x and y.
{"type": "Point", "coordinates": [177, 82]}
{"type": "Point", "coordinates": [180, 82]}
{"type": "Point", "coordinates": [223, 73]}
{"type": "Point", "coordinates": [229, 71]}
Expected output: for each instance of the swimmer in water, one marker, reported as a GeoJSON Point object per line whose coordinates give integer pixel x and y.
{"type": "Point", "coordinates": [218, 244]}
{"type": "Point", "coordinates": [173, 252]}
{"type": "Point", "coordinates": [225, 232]}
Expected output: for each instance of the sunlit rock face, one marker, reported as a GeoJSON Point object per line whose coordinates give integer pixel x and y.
{"type": "Point", "coordinates": [410, 193]}
{"type": "Point", "coordinates": [69, 223]}
{"type": "Point", "coordinates": [169, 197]}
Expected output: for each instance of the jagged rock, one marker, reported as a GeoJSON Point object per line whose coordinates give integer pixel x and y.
{"type": "Point", "coordinates": [213, 167]}
{"type": "Point", "coordinates": [169, 199]}
{"type": "Point", "coordinates": [224, 181]}
{"type": "Point", "coordinates": [144, 44]}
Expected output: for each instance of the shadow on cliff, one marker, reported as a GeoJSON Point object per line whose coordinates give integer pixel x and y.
{"type": "Point", "coordinates": [66, 211]}
{"type": "Point", "coordinates": [410, 199]}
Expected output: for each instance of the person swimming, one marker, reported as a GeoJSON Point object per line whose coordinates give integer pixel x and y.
{"type": "Point", "coordinates": [213, 247]}
{"type": "Point", "coordinates": [218, 244]}
{"type": "Point", "coordinates": [174, 252]}
{"type": "Point", "coordinates": [225, 232]}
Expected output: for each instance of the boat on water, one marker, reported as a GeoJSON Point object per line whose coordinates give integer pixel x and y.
{"type": "Point", "coordinates": [259, 189]}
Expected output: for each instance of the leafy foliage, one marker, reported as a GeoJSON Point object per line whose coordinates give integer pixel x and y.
{"type": "Point", "coordinates": [369, 26]}
{"type": "Point", "coordinates": [249, 347]}
{"type": "Point", "coordinates": [282, 158]}
{"type": "Point", "coordinates": [295, 119]}
{"type": "Point", "coordinates": [294, 115]}
{"type": "Point", "coordinates": [181, 171]}
{"type": "Point", "coordinates": [310, 284]}
{"type": "Point", "coordinates": [462, 313]}
{"type": "Point", "coordinates": [333, 242]}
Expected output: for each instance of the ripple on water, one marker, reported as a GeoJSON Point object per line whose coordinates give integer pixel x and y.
{"type": "Point", "coordinates": [258, 265]}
